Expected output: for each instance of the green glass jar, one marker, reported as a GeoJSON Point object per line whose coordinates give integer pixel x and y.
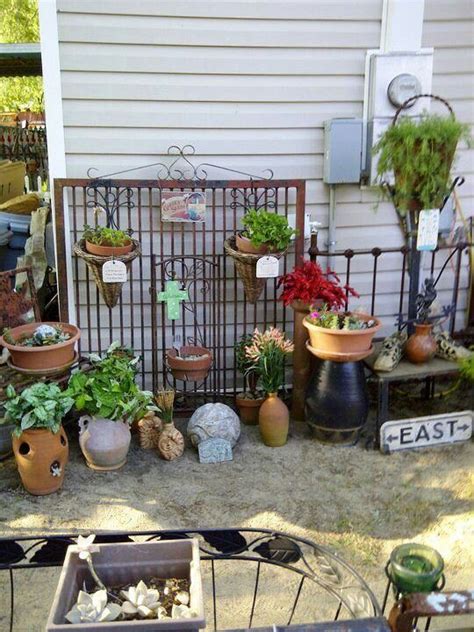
{"type": "Point", "coordinates": [415, 568]}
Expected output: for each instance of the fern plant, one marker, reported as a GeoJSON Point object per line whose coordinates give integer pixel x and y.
{"type": "Point", "coordinates": [420, 153]}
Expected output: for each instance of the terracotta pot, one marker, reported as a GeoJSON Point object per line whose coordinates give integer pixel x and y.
{"type": "Point", "coordinates": [104, 442]}
{"type": "Point", "coordinates": [274, 420]}
{"type": "Point", "coordinates": [245, 245]}
{"type": "Point", "coordinates": [6, 440]}
{"type": "Point", "coordinates": [248, 409]}
{"type": "Point", "coordinates": [42, 358]}
{"type": "Point", "coordinates": [301, 360]}
{"type": "Point", "coordinates": [41, 458]}
{"type": "Point", "coordinates": [342, 345]}
{"type": "Point", "coordinates": [421, 346]}
{"type": "Point", "coordinates": [189, 370]}
{"type": "Point", "coordinates": [108, 251]}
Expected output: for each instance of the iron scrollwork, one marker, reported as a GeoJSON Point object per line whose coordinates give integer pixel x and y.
{"type": "Point", "coordinates": [104, 196]}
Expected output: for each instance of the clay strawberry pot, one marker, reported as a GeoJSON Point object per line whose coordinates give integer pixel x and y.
{"type": "Point", "coordinates": [249, 407]}
{"type": "Point", "coordinates": [104, 443]}
{"type": "Point", "coordinates": [128, 563]}
{"type": "Point", "coordinates": [46, 358]}
{"type": "Point", "coordinates": [421, 346]}
{"type": "Point", "coordinates": [41, 458]}
{"type": "Point", "coordinates": [341, 345]}
{"type": "Point", "coordinates": [274, 421]}
{"type": "Point", "coordinates": [108, 251]}
{"type": "Point", "coordinates": [192, 364]}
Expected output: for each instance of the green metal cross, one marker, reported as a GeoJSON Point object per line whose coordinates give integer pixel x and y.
{"type": "Point", "coordinates": [172, 296]}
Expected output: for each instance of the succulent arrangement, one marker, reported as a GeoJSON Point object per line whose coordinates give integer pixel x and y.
{"type": "Point", "coordinates": [267, 229]}
{"type": "Point", "coordinates": [103, 236]}
{"type": "Point", "coordinates": [43, 336]}
{"type": "Point", "coordinates": [328, 319]}
{"type": "Point", "coordinates": [38, 406]}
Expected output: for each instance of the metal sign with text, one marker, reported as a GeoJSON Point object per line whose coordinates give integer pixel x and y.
{"type": "Point", "coordinates": [425, 432]}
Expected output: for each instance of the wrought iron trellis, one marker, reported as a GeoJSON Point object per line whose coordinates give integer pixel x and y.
{"type": "Point", "coordinates": [29, 145]}
{"type": "Point", "coordinates": [326, 586]}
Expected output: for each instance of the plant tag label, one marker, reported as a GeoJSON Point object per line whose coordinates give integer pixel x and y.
{"type": "Point", "coordinates": [426, 432]}
{"type": "Point", "coordinates": [114, 272]}
{"type": "Point", "coordinates": [428, 228]}
{"type": "Point", "coordinates": [267, 268]}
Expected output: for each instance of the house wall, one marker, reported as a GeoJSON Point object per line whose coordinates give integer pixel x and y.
{"type": "Point", "coordinates": [249, 85]}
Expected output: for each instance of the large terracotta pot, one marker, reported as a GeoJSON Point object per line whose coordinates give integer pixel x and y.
{"type": "Point", "coordinates": [6, 440]}
{"type": "Point", "coordinates": [108, 251]}
{"type": "Point", "coordinates": [245, 245]}
{"type": "Point", "coordinates": [104, 442]}
{"type": "Point", "coordinates": [41, 458]}
{"type": "Point", "coordinates": [341, 345]}
{"type": "Point", "coordinates": [248, 408]}
{"type": "Point", "coordinates": [301, 360]}
{"type": "Point", "coordinates": [45, 358]}
{"type": "Point", "coordinates": [189, 370]}
{"type": "Point", "coordinates": [274, 421]}
{"type": "Point", "coordinates": [421, 346]}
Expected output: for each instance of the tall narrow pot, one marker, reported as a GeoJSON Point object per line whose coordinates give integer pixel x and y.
{"type": "Point", "coordinates": [421, 346]}
{"type": "Point", "coordinates": [41, 458]}
{"type": "Point", "coordinates": [301, 360]}
{"type": "Point", "coordinates": [274, 421]}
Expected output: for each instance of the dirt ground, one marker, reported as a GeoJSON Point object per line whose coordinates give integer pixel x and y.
{"type": "Point", "coordinates": [358, 502]}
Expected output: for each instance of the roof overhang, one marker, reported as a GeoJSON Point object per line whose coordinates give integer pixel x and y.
{"type": "Point", "coordinates": [20, 60]}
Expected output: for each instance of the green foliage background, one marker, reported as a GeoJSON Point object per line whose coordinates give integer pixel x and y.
{"type": "Point", "coordinates": [19, 24]}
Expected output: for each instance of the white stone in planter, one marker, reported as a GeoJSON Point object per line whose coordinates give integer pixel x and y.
{"type": "Point", "coordinates": [214, 421]}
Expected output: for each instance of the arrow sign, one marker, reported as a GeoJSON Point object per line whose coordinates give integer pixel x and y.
{"type": "Point", "coordinates": [424, 432]}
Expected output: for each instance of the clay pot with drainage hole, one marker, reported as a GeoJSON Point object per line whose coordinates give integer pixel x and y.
{"type": "Point", "coordinates": [41, 457]}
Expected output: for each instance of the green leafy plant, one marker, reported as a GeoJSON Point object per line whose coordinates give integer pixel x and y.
{"type": "Point", "coordinates": [103, 236]}
{"type": "Point", "coordinates": [267, 229]}
{"type": "Point", "coordinates": [466, 368]}
{"type": "Point", "coordinates": [109, 389]}
{"type": "Point", "coordinates": [420, 153]}
{"type": "Point", "coordinates": [43, 336]}
{"type": "Point", "coordinates": [244, 364]}
{"type": "Point", "coordinates": [327, 319]}
{"type": "Point", "coordinates": [267, 352]}
{"type": "Point", "coordinates": [38, 406]}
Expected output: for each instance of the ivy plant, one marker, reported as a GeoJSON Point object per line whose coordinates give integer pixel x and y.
{"type": "Point", "coordinates": [420, 153]}
{"type": "Point", "coordinates": [267, 229]}
{"type": "Point", "coordinates": [38, 406]}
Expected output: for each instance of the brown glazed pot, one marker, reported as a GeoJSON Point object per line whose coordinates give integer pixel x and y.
{"type": "Point", "coordinates": [189, 370]}
{"type": "Point", "coordinates": [421, 346]}
{"type": "Point", "coordinates": [39, 453]}
{"type": "Point", "coordinates": [42, 358]}
{"type": "Point", "coordinates": [245, 245]}
{"type": "Point", "coordinates": [108, 251]}
{"type": "Point", "coordinates": [274, 421]}
{"type": "Point", "coordinates": [248, 409]}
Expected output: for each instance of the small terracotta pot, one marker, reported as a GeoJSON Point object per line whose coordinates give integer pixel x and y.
{"type": "Point", "coordinates": [47, 357]}
{"type": "Point", "coordinates": [421, 346]}
{"type": "Point", "coordinates": [341, 345]}
{"type": "Point", "coordinates": [104, 442]}
{"type": "Point", "coordinates": [248, 409]}
{"type": "Point", "coordinates": [189, 370]}
{"type": "Point", "coordinates": [41, 457]}
{"type": "Point", "coordinates": [274, 420]}
{"type": "Point", "coordinates": [108, 251]}
{"type": "Point", "coordinates": [245, 245]}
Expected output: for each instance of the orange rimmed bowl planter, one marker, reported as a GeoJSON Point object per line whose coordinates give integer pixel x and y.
{"type": "Point", "coordinates": [341, 345]}
{"type": "Point", "coordinates": [245, 245]}
{"type": "Point", "coordinates": [189, 369]}
{"type": "Point", "coordinates": [46, 358]}
{"type": "Point", "coordinates": [108, 251]}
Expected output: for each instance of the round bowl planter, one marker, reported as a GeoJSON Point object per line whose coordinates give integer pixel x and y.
{"type": "Point", "coordinates": [249, 407]}
{"type": "Point", "coordinates": [342, 345]}
{"type": "Point", "coordinates": [104, 443]}
{"type": "Point", "coordinates": [41, 458]}
{"type": "Point", "coordinates": [46, 358]}
{"type": "Point", "coordinates": [6, 440]}
{"type": "Point", "coordinates": [244, 244]}
{"type": "Point", "coordinates": [415, 568]}
{"type": "Point", "coordinates": [108, 251]}
{"type": "Point", "coordinates": [192, 365]}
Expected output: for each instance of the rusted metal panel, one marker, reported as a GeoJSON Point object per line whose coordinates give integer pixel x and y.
{"type": "Point", "coordinates": [435, 604]}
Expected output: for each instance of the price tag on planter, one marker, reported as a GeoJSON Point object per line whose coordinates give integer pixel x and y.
{"type": "Point", "coordinates": [114, 272]}
{"type": "Point", "coordinates": [428, 228]}
{"type": "Point", "coordinates": [267, 267]}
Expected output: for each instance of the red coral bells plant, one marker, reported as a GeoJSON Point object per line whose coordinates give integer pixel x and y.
{"type": "Point", "coordinates": [308, 283]}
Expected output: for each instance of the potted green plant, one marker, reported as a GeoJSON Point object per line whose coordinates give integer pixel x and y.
{"type": "Point", "coordinates": [249, 401]}
{"type": "Point", "coordinates": [40, 444]}
{"type": "Point", "coordinates": [110, 398]}
{"type": "Point", "coordinates": [106, 242]}
{"type": "Point", "coordinates": [420, 153]}
{"type": "Point", "coordinates": [340, 337]}
{"type": "Point", "coordinates": [264, 233]}
{"type": "Point", "coordinates": [153, 585]}
{"type": "Point", "coordinates": [41, 348]}
{"type": "Point", "coordinates": [267, 351]}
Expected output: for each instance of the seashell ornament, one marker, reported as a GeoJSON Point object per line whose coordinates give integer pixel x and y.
{"type": "Point", "coordinates": [149, 428]}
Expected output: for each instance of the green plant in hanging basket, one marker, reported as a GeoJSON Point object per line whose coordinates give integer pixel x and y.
{"type": "Point", "coordinates": [420, 154]}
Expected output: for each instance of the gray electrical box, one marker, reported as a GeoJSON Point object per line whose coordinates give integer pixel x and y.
{"type": "Point", "coordinates": [343, 150]}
